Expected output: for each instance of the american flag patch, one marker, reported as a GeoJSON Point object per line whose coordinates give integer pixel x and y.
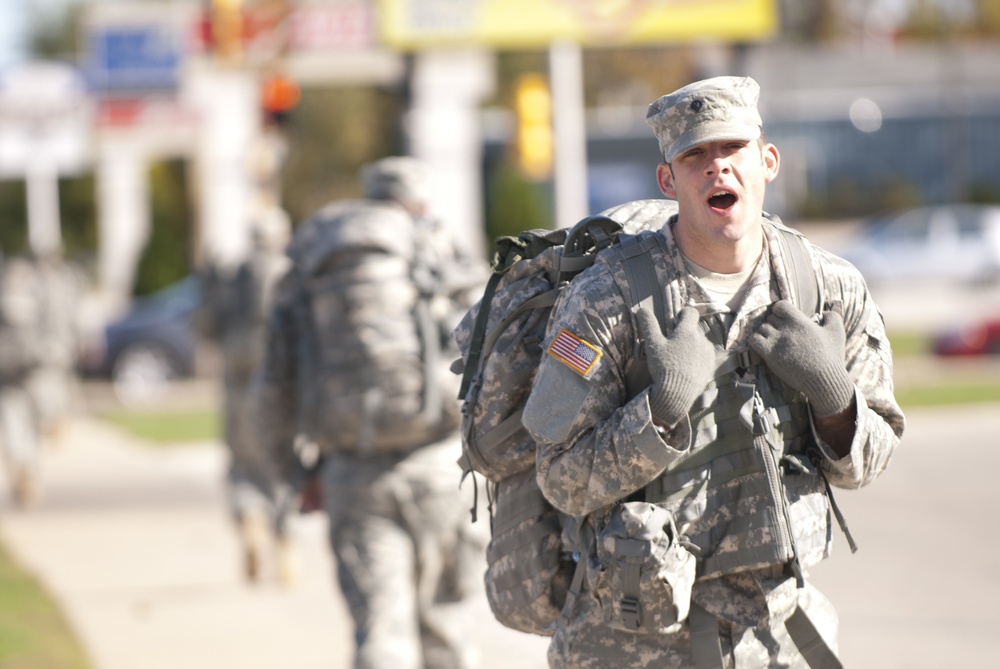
{"type": "Point", "coordinates": [577, 354]}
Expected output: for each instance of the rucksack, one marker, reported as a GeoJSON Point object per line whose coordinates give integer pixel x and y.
{"type": "Point", "coordinates": [530, 572]}
{"type": "Point", "coordinates": [375, 381]}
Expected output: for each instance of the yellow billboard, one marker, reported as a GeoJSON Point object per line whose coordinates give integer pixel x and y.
{"type": "Point", "coordinates": [515, 24]}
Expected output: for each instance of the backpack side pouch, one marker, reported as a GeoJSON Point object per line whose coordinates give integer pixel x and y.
{"type": "Point", "coordinates": [644, 577]}
{"type": "Point", "coordinates": [527, 575]}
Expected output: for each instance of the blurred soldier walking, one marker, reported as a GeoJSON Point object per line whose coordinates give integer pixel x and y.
{"type": "Point", "coordinates": [233, 314]}
{"type": "Point", "coordinates": [357, 372]}
{"type": "Point", "coordinates": [20, 357]}
{"type": "Point", "coordinates": [54, 382]}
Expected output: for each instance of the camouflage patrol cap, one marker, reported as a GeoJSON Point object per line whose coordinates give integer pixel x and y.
{"type": "Point", "coordinates": [710, 110]}
{"type": "Point", "coordinates": [399, 178]}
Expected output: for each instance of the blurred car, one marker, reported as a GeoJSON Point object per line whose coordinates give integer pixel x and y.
{"type": "Point", "coordinates": [948, 243]}
{"type": "Point", "coordinates": [980, 338]}
{"type": "Point", "coordinates": [153, 343]}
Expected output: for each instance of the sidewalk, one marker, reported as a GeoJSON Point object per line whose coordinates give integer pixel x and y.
{"type": "Point", "coordinates": [134, 541]}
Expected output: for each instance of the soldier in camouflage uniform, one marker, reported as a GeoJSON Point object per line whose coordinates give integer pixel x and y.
{"type": "Point", "coordinates": [754, 409]}
{"type": "Point", "coordinates": [20, 359]}
{"type": "Point", "coordinates": [54, 383]}
{"type": "Point", "coordinates": [398, 528]}
{"type": "Point", "coordinates": [234, 311]}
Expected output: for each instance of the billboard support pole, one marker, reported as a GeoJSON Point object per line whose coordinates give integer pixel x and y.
{"type": "Point", "coordinates": [570, 132]}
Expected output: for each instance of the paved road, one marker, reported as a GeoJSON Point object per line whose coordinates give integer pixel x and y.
{"type": "Point", "coordinates": [134, 541]}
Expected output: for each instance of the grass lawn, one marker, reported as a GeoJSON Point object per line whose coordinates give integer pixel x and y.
{"type": "Point", "coordinates": [34, 634]}
{"type": "Point", "coordinates": [165, 427]}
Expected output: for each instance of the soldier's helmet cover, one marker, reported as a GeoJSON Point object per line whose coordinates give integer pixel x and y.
{"type": "Point", "coordinates": [398, 178]}
{"type": "Point", "coordinates": [711, 110]}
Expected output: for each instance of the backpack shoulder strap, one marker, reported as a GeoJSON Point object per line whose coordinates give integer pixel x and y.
{"type": "Point", "coordinates": [634, 254]}
{"type": "Point", "coordinates": [802, 280]}
{"type": "Point", "coordinates": [509, 250]}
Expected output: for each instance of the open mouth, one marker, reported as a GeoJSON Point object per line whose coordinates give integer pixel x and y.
{"type": "Point", "coordinates": [723, 199]}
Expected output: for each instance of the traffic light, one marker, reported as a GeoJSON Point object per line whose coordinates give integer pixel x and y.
{"type": "Point", "coordinates": [278, 96]}
{"type": "Point", "coordinates": [533, 108]}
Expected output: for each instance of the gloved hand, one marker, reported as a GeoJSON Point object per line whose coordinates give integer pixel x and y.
{"type": "Point", "coordinates": [806, 355]}
{"type": "Point", "coordinates": [681, 364]}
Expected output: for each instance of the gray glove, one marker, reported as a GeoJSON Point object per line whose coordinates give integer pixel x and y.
{"type": "Point", "coordinates": [681, 364]}
{"type": "Point", "coordinates": [806, 355]}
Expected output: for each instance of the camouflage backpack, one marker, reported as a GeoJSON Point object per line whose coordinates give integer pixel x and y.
{"type": "Point", "coordinates": [530, 571]}
{"type": "Point", "coordinates": [375, 381]}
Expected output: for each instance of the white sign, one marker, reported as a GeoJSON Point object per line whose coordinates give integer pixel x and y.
{"type": "Point", "coordinates": [45, 119]}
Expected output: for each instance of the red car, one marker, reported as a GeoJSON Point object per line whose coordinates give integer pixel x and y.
{"type": "Point", "coordinates": [981, 338]}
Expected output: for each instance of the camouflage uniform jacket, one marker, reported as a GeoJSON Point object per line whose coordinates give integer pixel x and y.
{"type": "Point", "coordinates": [596, 446]}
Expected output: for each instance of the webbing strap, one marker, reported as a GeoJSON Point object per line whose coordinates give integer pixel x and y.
{"type": "Point", "coordinates": [706, 646]}
{"type": "Point", "coordinates": [643, 287]}
{"type": "Point", "coordinates": [431, 341]}
{"type": "Point", "coordinates": [802, 279]}
{"type": "Point", "coordinates": [575, 587]}
{"type": "Point", "coordinates": [811, 645]}
{"type": "Point", "coordinates": [478, 334]}
{"type": "Point", "coordinates": [499, 435]}
{"type": "Point", "coordinates": [546, 299]}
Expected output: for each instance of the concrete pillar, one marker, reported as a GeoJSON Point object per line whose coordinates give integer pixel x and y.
{"type": "Point", "coordinates": [124, 218]}
{"type": "Point", "coordinates": [444, 130]}
{"type": "Point", "coordinates": [44, 227]}
{"type": "Point", "coordinates": [227, 106]}
{"type": "Point", "coordinates": [569, 133]}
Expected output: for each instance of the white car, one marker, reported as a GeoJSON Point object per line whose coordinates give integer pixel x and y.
{"type": "Point", "coordinates": [958, 243]}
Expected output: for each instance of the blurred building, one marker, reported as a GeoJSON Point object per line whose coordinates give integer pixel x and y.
{"type": "Point", "coordinates": [858, 129]}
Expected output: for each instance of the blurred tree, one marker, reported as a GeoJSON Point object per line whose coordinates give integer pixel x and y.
{"type": "Point", "coordinates": [13, 217]}
{"type": "Point", "coordinates": [331, 133]}
{"type": "Point", "coordinates": [812, 21]}
{"type": "Point", "coordinates": [928, 21]}
{"type": "Point", "coordinates": [513, 203]}
{"type": "Point", "coordinates": [168, 256]}
{"type": "Point", "coordinates": [54, 29]}
{"type": "Point", "coordinates": [984, 191]}
{"type": "Point", "coordinates": [78, 214]}
{"type": "Point", "coordinates": [988, 17]}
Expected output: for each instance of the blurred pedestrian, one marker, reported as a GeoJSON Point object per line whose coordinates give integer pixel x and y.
{"type": "Point", "coordinates": [54, 383]}
{"type": "Point", "coordinates": [356, 385]}
{"type": "Point", "coordinates": [233, 314]}
{"type": "Point", "coordinates": [704, 491]}
{"type": "Point", "coordinates": [21, 354]}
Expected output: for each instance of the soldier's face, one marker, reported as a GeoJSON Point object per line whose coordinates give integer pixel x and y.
{"type": "Point", "coordinates": [719, 187]}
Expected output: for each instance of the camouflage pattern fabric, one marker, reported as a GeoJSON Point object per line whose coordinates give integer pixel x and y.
{"type": "Point", "coordinates": [597, 446]}
{"type": "Point", "coordinates": [53, 383]}
{"type": "Point", "coordinates": [586, 642]}
{"type": "Point", "coordinates": [406, 562]}
{"type": "Point", "coordinates": [710, 110]}
{"type": "Point", "coordinates": [21, 356]}
{"type": "Point", "coordinates": [20, 441]}
{"type": "Point", "coordinates": [233, 314]}
{"type": "Point", "coordinates": [406, 554]}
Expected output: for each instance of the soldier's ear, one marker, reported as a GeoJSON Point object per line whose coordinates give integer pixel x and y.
{"type": "Point", "coordinates": [772, 161]}
{"type": "Point", "coordinates": [665, 179]}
